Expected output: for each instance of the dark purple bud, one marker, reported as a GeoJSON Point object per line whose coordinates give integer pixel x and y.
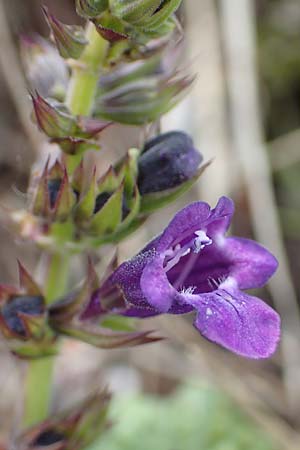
{"type": "Point", "coordinates": [47, 438]}
{"type": "Point", "coordinates": [102, 199]}
{"type": "Point", "coordinates": [167, 161]}
{"type": "Point", "coordinates": [53, 189]}
{"type": "Point", "coordinates": [30, 305]}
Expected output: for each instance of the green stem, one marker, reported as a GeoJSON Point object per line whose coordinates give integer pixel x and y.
{"type": "Point", "coordinates": [83, 84]}
{"type": "Point", "coordinates": [80, 99]}
{"type": "Point", "coordinates": [38, 384]}
{"type": "Point", "coordinates": [85, 75]}
{"type": "Point", "coordinates": [37, 390]}
{"type": "Point", "coordinates": [57, 279]}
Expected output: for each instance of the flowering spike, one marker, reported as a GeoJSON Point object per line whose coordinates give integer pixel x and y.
{"type": "Point", "coordinates": [72, 429]}
{"type": "Point", "coordinates": [70, 39]}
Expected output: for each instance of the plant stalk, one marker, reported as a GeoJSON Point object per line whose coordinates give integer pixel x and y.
{"type": "Point", "coordinates": [80, 100]}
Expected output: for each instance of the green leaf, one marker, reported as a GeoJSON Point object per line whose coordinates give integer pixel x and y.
{"type": "Point", "coordinates": [85, 208]}
{"type": "Point", "coordinates": [159, 18]}
{"type": "Point", "coordinates": [119, 235]}
{"type": "Point", "coordinates": [109, 217]}
{"type": "Point", "coordinates": [134, 205]}
{"type": "Point", "coordinates": [128, 172]}
{"type": "Point", "coordinates": [102, 337]}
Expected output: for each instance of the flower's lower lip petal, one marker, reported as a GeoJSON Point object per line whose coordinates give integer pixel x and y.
{"type": "Point", "coordinates": [156, 287]}
{"type": "Point", "coordinates": [239, 322]}
{"type": "Point", "coordinates": [252, 264]}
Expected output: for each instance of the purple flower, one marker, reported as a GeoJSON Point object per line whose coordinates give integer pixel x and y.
{"type": "Point", "coordinates": [192, 266]}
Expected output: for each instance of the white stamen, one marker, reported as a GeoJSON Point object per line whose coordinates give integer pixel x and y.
{"type": "Point", "coordinates": [189, 290]}
{"type": "Point", "coordinates": [201, 241]}
{"type": "Point", "coordinates": [174, 255]}
{"type": "Point", "coordinates": [186, 252]}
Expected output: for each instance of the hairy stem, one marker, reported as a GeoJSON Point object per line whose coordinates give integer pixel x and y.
{"type": "Point", "coordinates": [80, 99]}
{"type": "Point", "coordinates": [57, 278]}
{"type": "Point", "coordinates": [38, 384]}
{"type": "Point", "coordinates": [37, 390]}
{"type": "Point", "coordinates": [83, 84]}
{"type": "Point", "coordinates": [85, 75]}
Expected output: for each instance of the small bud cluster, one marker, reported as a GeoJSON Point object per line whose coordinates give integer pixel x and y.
{"type": "Point", "coordinates": [96, 211]}
{"type": "Point", "coordinates": [74, 429]}
{"type": "Point", "coordinates": [23, 319]}
{"type": "Point", "coordinates": [138, 20]}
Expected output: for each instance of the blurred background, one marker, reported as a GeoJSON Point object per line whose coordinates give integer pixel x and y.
{"type": "Point", "coordinates": [244, 113]}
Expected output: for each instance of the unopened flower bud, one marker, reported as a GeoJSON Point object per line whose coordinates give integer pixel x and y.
{"type": "Point", "coordinates": [70, 39]}
{"type": "Point", "coordinates": [23, 319]}
{"type": "Point", "coordinates": [45, 70]}
{"type": "Point", "coordinates": [74, 429]}
{"type": "Point", "coordinates": [23, 304]}
{"type": "Point", "coordinates": [102, 199]}
{"type": "Point", "coordinates": [167, 161]}
{"type": "Point", "coordinates": [91, 8]}
{"type": "Point", "coordinates": [143, 100]}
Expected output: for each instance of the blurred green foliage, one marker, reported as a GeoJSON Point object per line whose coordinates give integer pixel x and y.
{"type": "Point", "coordinates": [196, 417]}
